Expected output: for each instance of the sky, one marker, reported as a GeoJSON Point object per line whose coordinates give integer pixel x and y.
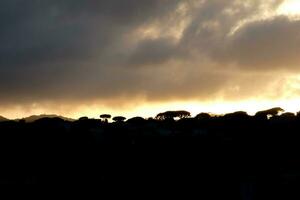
{"type": "Point", "coordinates": [141, 57]}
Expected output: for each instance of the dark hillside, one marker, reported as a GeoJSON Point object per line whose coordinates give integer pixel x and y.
{"type": "Point", "coordinates": [236, 154]}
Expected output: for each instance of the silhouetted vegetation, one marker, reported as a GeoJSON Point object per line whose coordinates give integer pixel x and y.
{"type": "Point", "coordinates": [105, 117]}
{"type": "Point", "coordinates": [119, 119]}
{"type": "Point", "coordinates": [231, 156]}
{"type": "Point", "coordinates": [269, 113]}
{"type": "Point", "coordinates": [171, 115]}
{"type": "Point", "coordinates": [3, 119]}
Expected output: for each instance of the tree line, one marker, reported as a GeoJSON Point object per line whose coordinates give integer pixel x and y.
{"type": "Point", "coordinates": [234, 156]}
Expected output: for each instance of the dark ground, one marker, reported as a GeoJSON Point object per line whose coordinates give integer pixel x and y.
{"type": "Point", "coordinates": [234, 157]}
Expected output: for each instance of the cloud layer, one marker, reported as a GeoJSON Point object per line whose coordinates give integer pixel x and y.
{"type": "Point", "coordinates": [76, 51]}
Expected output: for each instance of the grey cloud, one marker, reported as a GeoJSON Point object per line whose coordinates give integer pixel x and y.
{"type": "Point", "coordinates": [75, 50]}
{"type": "Point", "coordinates": [267, 44]}
{"type": "Point", "coordinates": [49, 45]}
{"type": "Point", "coordinates": [153, 51]}
{"type": "Point", "coordinates": [36, 32]}
{"type": "Point", "coordinates": [260, 44]}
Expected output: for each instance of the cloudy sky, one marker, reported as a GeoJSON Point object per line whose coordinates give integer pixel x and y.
{"type": "Point", "coordinates": [140, 57]}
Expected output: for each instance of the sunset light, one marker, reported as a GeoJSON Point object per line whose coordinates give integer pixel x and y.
{"type": "Point", "coordinates": [290, 7]}
{"type": "Point", "coordinates": [139, 59]}
{"type": "Point", "coordinates": [152, 93]}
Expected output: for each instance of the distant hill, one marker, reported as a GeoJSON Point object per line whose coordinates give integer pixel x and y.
{"type": "Point", "coordinates": [36, 117]}
{"type": "Point", "coordinates": [2, 119]}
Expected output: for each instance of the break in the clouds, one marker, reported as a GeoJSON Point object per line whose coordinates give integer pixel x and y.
{"type": "Point", "coordinates": [77, 51]}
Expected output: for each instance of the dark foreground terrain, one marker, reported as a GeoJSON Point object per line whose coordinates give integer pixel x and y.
{"type": "Point", "coordinates": [234, 156]}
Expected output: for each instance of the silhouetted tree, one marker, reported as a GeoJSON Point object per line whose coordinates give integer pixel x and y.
{"type": "Point", "coordinates": [173, 114]}
{"type": "Point", "coordinates": [119, 119]}
{"type": "Point", "coordinates": [236, 115]}
{"type": "Point", "coordinates": [136, 120]}
{"type": "Point", "coordinates": [269, 113]}
{"type": "Point", "coordinates": [183, 114]}
{"type": "Point", "coordinates": [202, 116]}
{"type": "Point", "coordinates": [287, 116]}
{"type": "Point", "coordinates": [83, 118]}
{"type": "Point", "coordinates": [164, 116]}
{"type": "Point", "coordinates": [105, 117]}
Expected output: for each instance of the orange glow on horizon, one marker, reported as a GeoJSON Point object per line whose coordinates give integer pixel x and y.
{"type": "Point", "coordinates": [147, 110]}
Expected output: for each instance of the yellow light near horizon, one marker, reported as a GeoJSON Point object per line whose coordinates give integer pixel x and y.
{"type": "Point", "coordinates": [290, 7]}
{"type": "Point", "coordinates": [215, 107]}
{"type": "Point", "coordinates": [147, 109]}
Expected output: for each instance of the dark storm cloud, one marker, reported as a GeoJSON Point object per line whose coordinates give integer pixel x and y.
{"type": "Point", "coordinates": [46, 45]}
{"type": "Point", "coordinates": [76, 50]}
{"type": "Point", "coordinates": [35, 32]}
{"type": "Point", "coordinates": [151, 52]}
{"type": "Point", "coordinates": [267, 44]}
